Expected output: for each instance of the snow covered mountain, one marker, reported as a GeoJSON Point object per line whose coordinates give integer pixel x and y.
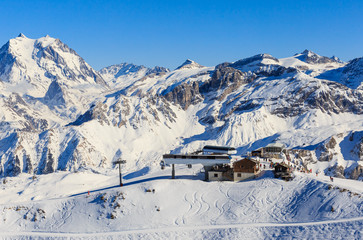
{"type": "Point", "coordinates": [47, 70]}
{"type": "Point", "coordinates": [59, 114]}
{"type": "Point", "coordinates": [45, 84]}
{"type": "Point", "coordinates": [30, 65]}
{"type": "Point", "coordinates": [351, 75]}
{"type": "Point", "coordinates": [188, 64]}
{"type": "Point", "coordinates": [121, 75]}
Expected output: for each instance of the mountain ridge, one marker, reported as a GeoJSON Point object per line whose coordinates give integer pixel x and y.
{"type": "Point", "coordinates": [74, 117]}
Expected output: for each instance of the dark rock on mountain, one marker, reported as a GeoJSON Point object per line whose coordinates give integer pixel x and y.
{"type": "Point", "coordinates": [357, 173]}
{"type": "Point", "coordinates": [223, 77]}
{"type": "Point", "coordinates": [263, 65]}
{"type": "Point", "coordinates": [7, 61]}
{"type": "Point", "coordinates": [330, 97]}
{"type": "Point", "coordinates": [30, 121]}
{"type": "Point", "coordinates": [336, 171]}
{"type": "Point", "coordinates": [54, 95]}
{"type": "Point", "coordinates": [157, 70]}
{"type": "Point", "coordinates": [97, 111]}
{"type": "Point", "coordinates": [184, 95]}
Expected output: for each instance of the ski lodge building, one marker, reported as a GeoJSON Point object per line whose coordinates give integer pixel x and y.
{"type": "Point", "coordinates": [282, 170]}
{"type": "Point", "coordinates": [216, 161]}
{"type": "Point", "coordinates": [243, 169]}
{"type": "Point", "coordinates": [272, 150]}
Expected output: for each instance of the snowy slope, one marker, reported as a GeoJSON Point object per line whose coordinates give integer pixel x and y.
{"type": "Point", "coordinates": [155, 206]}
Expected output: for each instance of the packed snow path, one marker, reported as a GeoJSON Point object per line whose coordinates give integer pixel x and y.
{"type": "Point", "coordinates": [337, 229]}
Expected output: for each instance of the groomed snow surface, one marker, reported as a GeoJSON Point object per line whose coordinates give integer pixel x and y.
{"type": "Point", "coordinates": [150, 205]}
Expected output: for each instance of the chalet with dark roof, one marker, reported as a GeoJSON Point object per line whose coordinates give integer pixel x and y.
{"type": "Point", "coordinates": [245, 169]}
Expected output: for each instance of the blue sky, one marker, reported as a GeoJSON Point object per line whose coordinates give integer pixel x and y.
{"type": "Point", "coordinates": [165, 33]}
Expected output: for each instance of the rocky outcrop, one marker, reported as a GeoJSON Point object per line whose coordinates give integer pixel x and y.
{"type": "Point", "coordinates": [331, 143]}
{"type": "Point", "coordinates": [96, 112]}
{"type": "Point", "coordinates": [121, 112]}
{"type": "Point", "coordinates": [329, 97]}
{"type": "Point", "coordinates": [227, 79]}
{"type": "Point", "coordinates": [54, 95]}
{"type": "Point", "coordinates": [357, 173]}
{"type": "Point", "coordinates": [157, 71]}
{"type": "Point", "coordinates": [356, 138]}
{"type": "Point", "coordinates": [336, 171]}
{"type": "Point", "coordinates": [306, 156]}
{"type": "Point", "coordinates": [6, 57]}
{"type": "Point", "coordinates": [326, 150]}
{"type": "Point", "coordinates": [28, 119]}
{"type": "Point", "coordinates": [184, 95]}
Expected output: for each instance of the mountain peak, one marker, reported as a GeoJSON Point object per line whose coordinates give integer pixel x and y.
{"type": "Point", "coordinates": [313, 58]}
{"type": "Point", "coordinates": [189, 64]}
{"type": "Point", "coordinates": [21, 35]}
{"type": "Point", "coordinates": [337, 59]}
{"type": "Point", "coordinates": [259, 59]}
{"type": "Point", "coordinates": [307, 52]}
{"type": "Point", "coordinates": [27, 59]}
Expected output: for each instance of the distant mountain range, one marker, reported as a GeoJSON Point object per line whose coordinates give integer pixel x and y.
{"type": "Point", "coordinates": [59, 114]}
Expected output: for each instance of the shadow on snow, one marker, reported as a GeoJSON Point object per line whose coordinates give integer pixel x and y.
{"type": "Point", "coordinates": [189, 177]}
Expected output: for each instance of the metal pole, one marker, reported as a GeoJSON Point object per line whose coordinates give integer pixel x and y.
{"type": "Point", "coordinates": [172, 171]}
{"type": "Point", "coordinates": [119, 162]}
{"type": "Point", "coordinates": [119, 169]}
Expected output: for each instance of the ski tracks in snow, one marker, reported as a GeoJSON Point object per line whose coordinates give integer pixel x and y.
{"type": "Point", "coordinates": [197, 206]}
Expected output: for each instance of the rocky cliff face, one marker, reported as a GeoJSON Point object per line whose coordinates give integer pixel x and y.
{"type": "Point", "coordinates": [119, 111]}
{"type": "Point", "coordinates": [185, 95]}
{"type": "Point", "coordinates": [329, 97]}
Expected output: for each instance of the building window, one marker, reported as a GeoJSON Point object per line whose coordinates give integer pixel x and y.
{"type": "Point", "coordinates": [239, 175]}
{"type": "Point", "coordinates": [216, 175]}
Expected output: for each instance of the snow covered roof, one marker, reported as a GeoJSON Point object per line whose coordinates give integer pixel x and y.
{"type": "Point", "coordinates": [279, 145]}
{"type": "Point", "coordinates": [219, 149]}
{"type": "Point", "coordinates": [206, 160]}
{"type": "Point", "coordinates": [209, 147]}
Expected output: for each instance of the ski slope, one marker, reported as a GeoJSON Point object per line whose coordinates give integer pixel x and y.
{"type": "Point", "coordinates": [150, 205]}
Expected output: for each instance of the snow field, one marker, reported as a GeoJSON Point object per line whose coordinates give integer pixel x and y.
{"type": "Point", "coordinates": [154, 206]}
